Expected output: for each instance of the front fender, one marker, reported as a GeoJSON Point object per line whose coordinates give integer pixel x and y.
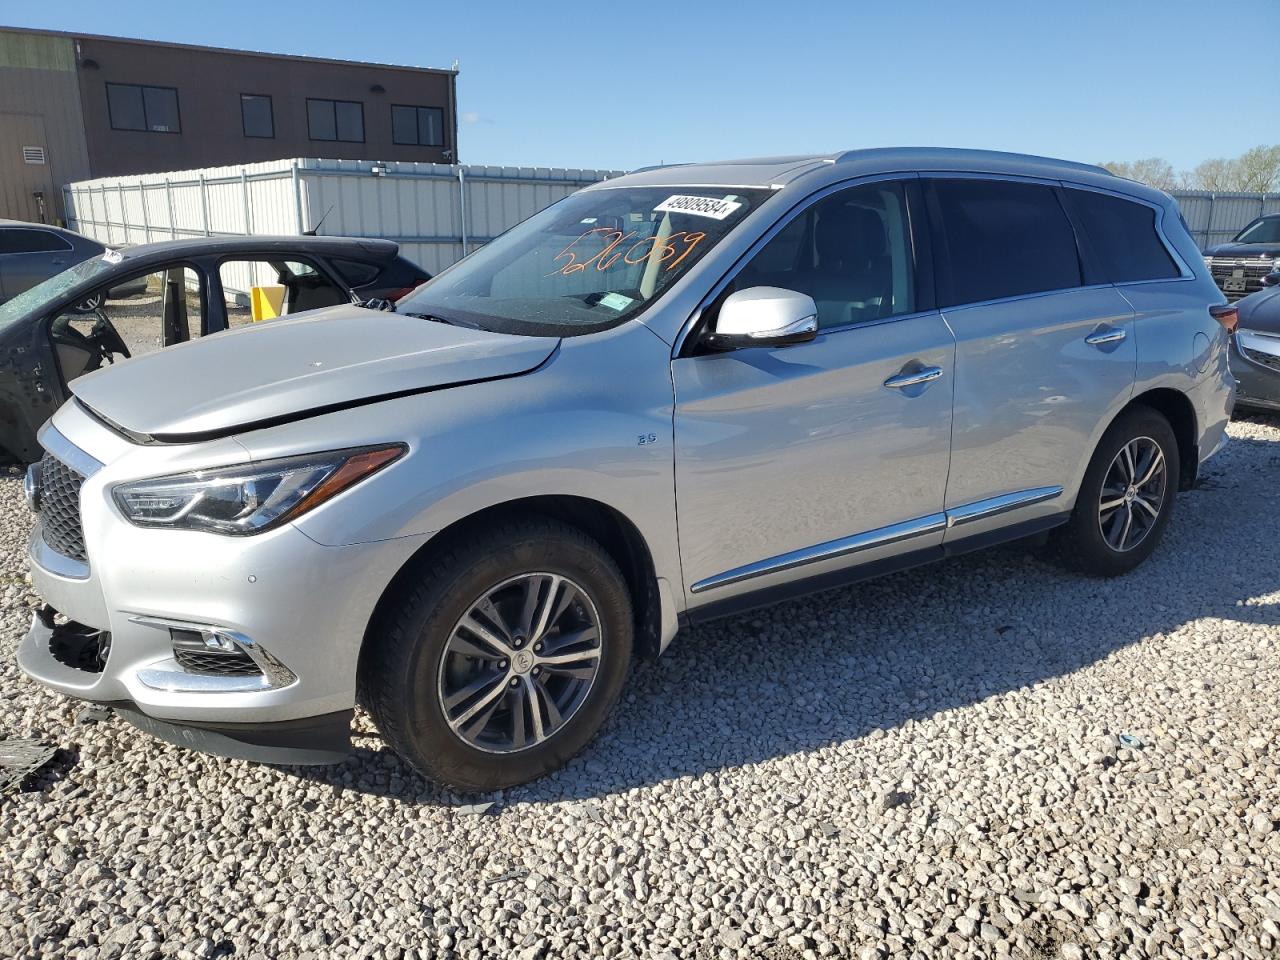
{"type": "Point", "coordinates": [594, 422]}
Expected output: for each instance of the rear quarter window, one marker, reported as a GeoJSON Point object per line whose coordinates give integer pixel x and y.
{"type": "Point", "coordinates": [1124, 237]}
{"type": "Point", "coordinates": [356, 273]}
{"type": "Point", "coordinates": [1002, 239]}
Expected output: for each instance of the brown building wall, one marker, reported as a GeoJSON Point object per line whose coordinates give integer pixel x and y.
{"type": "Point", "coordinates": [39, 107]}
{"type": "Point", "coordinates": [209, 84]}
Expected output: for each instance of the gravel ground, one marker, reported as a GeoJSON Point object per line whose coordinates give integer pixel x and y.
{"type": "Point", "coordinates": [986, 757]}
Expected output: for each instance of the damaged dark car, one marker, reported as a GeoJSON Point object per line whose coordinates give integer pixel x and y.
{"type": "Point", "coordinates": [127, 302]}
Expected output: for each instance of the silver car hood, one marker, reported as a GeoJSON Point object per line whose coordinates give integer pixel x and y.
{"type": "Point", "coordinates": [289, 368]}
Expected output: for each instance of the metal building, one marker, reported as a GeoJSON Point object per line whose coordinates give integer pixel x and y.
{"type": "Point", "coordinates": [75, 106]}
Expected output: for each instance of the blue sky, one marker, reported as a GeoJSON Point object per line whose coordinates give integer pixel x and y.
{"type": "Point", "coordinates": [625, 85]}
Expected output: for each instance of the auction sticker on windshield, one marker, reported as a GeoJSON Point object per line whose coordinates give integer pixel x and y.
{"type": "Point", "coordinates": [698, 206]}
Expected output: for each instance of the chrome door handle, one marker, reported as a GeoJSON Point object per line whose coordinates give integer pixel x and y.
{"type": "Point", "coordinates": [925, 375]}
{"type": "Point", "coordinates": [1110, 335]}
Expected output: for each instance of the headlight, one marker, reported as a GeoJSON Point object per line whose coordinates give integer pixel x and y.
{"type": "Point", "coordinates": [249, 498]}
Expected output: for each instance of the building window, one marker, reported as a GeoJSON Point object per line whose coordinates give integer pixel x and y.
{"type": "Point", "coordinates": [255, 115]}
{"type": "Point", "coordinates": [134, 107]}
{"type": "Point", "coordinates": [335, 120]}
{"type": "Point", "coordinates": [420, 126]}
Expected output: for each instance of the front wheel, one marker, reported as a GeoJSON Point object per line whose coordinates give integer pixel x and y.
{"type": "Point", "coordinates": [1126, 498]}
{"type": "Point", "coordinates": [503, 657]}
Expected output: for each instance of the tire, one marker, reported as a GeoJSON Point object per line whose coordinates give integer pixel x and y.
{"type": "Point", "coordinates": [1087, 543]}
{"type": "Point", "coordinates": [418, 659]}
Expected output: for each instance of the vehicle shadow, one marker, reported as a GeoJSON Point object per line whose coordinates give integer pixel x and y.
{"type": "Point", "coordinates": [832, 668]}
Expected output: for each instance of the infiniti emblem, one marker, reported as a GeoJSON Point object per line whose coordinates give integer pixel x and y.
{"type": "Point", "coordinates": [31, 487]}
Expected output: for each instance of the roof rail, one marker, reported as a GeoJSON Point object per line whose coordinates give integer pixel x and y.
{"type": "Point", "coordinates": [976, 154]}
{"type": "Point", "coordinates": [659, 166]}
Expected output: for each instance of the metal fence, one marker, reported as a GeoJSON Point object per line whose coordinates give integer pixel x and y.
{"type": "Point", "coordinates": [436, 212]}
{"type": "Point", "coordinates": [1217, 217]}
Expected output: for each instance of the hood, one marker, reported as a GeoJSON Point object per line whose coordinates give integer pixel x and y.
{"type": "Point", "coordinates": [1244, 250]}
{"type": "Point", "coordinates": [1261, 310]}
{"type": "Point", "coordinates": [285, 369]}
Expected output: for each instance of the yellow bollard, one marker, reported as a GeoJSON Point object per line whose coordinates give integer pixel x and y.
{"type": "Point", "coordinates": [266, 301]}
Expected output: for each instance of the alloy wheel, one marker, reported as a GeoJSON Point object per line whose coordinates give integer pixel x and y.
{"type": "Point", "coordinates": [1133, 494]}
{"type": "Point", "coordinates": [520, 662]}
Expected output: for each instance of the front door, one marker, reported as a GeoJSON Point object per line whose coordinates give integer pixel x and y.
{"type": "Point", "coordinates": [799, 462]}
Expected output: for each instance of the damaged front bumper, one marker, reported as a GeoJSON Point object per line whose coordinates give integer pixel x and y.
{"type": "Point", "coordinates": [71, 657]}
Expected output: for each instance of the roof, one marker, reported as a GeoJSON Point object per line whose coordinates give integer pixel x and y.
{"type": "Point", "coordinates": [777, 172]}
{"type": "Point", "coordinates": [230, 50]}
{"type": "Point", "coordinates": [207, 246]}
{"type": "Point", "coordinates": [33, 225]}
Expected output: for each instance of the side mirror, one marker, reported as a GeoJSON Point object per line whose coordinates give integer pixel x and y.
{"type": "Point", "coordinates": [763, 317]}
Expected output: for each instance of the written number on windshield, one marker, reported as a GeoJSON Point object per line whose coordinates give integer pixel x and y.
{"type": "Point", "coordinates": [668, 250]}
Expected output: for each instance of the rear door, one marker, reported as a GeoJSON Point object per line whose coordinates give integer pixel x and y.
{"type": "Point", "coordinates": [1044, 359]}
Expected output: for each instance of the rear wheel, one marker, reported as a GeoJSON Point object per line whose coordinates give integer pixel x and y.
{"type": "Point", "coordinates": [1126, 499]}
{"type": "Point", "coordinates": [503, 658]}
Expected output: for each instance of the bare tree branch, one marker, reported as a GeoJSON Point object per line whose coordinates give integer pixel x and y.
{"type": "Point", "coordinates": [1254, 171]}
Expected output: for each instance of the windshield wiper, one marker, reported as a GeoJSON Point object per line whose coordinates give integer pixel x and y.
{"type": "Point", "coordinates": [436, 318]}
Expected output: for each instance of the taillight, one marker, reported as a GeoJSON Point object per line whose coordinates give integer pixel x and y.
{"type": "Point", "coordinates": [1227, 315]}
{"type": "Point", "coordinates": [399, 292]}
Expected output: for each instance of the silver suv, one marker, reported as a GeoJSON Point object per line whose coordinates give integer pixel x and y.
{"type": "Point", "coordinates": [669, 397]}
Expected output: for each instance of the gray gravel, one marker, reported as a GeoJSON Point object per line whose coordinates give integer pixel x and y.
{"type": "Point", "coordinates": [927, 765]}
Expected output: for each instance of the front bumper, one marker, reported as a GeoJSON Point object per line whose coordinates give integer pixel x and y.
{"type": "Point", "coordinates": [1257, 384]}
{"type": "Point", "coordinates": [296, 608]}
{"type": "Point", "coordinates": [62, 656]}
{"type": "Point", "coordinates": [305, 604]}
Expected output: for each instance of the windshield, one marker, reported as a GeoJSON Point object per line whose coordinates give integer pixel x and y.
{"type": "Point", "coordinates": [1261, 231]}
{"type": "Point", "coordinates": [589, 262]}
{"type": "Point", "coordinates": [34, 300]}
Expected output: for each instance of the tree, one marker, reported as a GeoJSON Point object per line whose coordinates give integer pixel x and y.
{"type": "Point", "coordinates": [1258, 170]}
{"type": "Point", "coordinates": [1254, 171]}
{"type": "Point", "coordinates": [1217, 173]}
{"type": "Point", "coordinates": [1154, 171]}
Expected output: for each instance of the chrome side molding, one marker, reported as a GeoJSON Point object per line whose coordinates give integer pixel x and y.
{"type": "Point", "coordinates": [882, 536]}
{"type": "Point", "coordinates": [994, 506]}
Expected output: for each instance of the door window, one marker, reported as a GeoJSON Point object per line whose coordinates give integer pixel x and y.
{"type": "Point", "coordinates": [1002, 239]}
{"type": "Point", "coordinates": [851, 252]}
{"type": "Point", "coordinates": [128, 318]}
{"type": "Point", "coordinates": [1123, 235]}
{"type": "Point", "coordinates": [31, 241]}
{"type": "Point", "coordinates": [284, 287]}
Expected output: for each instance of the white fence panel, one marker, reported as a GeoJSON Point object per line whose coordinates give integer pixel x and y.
{"type": "Point", "coordinates": [1217, 217]}
{"type": "Point", "coordinates": [436, 212]}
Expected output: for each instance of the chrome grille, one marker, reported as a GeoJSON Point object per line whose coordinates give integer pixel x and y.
{"type": "Point", "coordinates": [216, 664]}
{"type": "Point", "coordinates": [1257, 356]}
{"type": "Point", "coordinates": [60, 508]}
{"type": "Point", "coordinates": [1252, 268]}
{"type": "Point", "coordinates": [196, 656]}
